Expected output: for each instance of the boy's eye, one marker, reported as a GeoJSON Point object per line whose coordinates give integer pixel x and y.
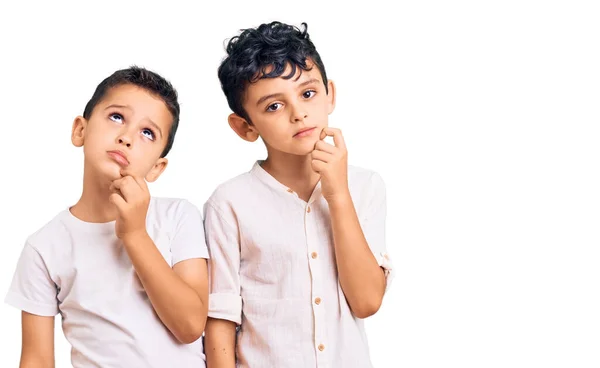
{"type": "Point", "coordinates": [117, 118]}
{"type": "Point", "coordinates": [309, 94]}
{"type": "Point", "coordinates": [148, 134]}
{"type": "Point", "coordinates": [274, 107]}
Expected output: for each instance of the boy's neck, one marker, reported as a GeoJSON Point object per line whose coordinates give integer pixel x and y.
{"type": "Point", "coordinates": [293, 171]}
{"type": "Point", "coordinates": [94, 204]}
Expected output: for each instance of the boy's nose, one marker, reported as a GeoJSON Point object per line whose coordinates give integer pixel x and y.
{"type": "Point", "coordinates": [299, 115]}
{"type": "Point", "coordinates": [125, 141]}
{"type": "Point", "coordinates": [299, 118]}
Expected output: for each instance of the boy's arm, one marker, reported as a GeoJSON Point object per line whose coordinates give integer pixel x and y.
{"type": "Point", "coordinates": [361, 276]}
{"type": "Point", "coordinates": [179, 295]}
{"type": "Point", "coordinates": [219, 343]}
{"type": "Point", "coordinates": [37, 348]}
{"type": "Point", "coordinates": [225, 309]}
{"type": "Point", "coordinates": [34, 292]}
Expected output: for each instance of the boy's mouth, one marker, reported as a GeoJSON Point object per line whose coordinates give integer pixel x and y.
{"type": "Point", "coordinates": [304, 132]}
{"type": "Point", "coordinates": [119, 157]}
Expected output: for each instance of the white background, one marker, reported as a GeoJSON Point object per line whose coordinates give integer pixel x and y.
{"type": "Point", "coordinates": [482, 117]}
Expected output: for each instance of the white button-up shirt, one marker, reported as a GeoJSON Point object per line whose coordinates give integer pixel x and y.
{"type": "Point", "coordinates": [273, 270]}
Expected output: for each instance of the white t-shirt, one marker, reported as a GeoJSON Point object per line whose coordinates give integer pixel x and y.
{"type": "Point", "coordinates": [82, 271]}
{"type": "Point", "coordinates": [273, 270]}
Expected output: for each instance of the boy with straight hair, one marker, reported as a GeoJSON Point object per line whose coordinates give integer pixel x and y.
{"type": "Point", "coordinates": [126, 271]}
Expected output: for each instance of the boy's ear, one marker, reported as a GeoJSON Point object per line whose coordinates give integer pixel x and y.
{"type": "Point", "coordinates": [158, 168]}
{"type": "Point", "coordinates": [78, 131]}
{"type": "Point", "coordinates": [330, 96]}
{"type": "Point", "coordinates": [239, 125]}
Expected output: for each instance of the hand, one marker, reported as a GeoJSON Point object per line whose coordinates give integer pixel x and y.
{"type": "Point", "coordinates": [132, 199]}
{"type": "Point", "coordinates": [331, 162]}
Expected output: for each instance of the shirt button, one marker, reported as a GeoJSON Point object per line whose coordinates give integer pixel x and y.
{"type": "Point", "coordinates": [321, 347]}
{"type": "Point", "coordinates": [313, 255]}
{"type": "Point", "coordinates": [308, 209]}
{"type": "Point", "coordinates": [317, 300]}
{"type": "Point", "coordinates": [290, 191]}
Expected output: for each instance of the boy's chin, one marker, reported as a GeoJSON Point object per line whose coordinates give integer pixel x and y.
{"type": "Point", "coordinates": [110, 172]}
{"type": "Point", "coordinates": [304, 148]}
{"type": "Point", "coordinates": [298, 151]}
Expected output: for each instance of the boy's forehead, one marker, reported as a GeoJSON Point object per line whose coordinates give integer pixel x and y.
{"type": "Point", "coordinates": [284, 82]}
{"type": "Point", "coordinates": [139, 101]}
{"type": "Point", "coordinates": [129, 93]}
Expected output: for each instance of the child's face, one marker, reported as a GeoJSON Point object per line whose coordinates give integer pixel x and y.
{"type": "Point", "coordinates": [289, 114]}
{"type": "Point", "coordinates": [127, 130]}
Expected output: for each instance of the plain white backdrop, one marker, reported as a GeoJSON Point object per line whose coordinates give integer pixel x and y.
{"type": "Point", "coordinates": [482, 117]}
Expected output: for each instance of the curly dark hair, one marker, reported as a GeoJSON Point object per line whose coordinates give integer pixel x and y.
{"type": "Point", "coordinates": [274, 45]}
{"type": "Point", "coordinates": [148, 80]}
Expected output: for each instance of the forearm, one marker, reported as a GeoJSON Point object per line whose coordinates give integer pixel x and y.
{"type": "Point", "coordinates": [36, 361]}
{"type": "Point", "coordinates": [220, 343]}
{"type": "Point", "coordinates": [34, 358]}
{"type": "Point", "coordinates": [37, 341]}
{"type": "Point", "coordinates": [361, 278]}
{"type": "Point", "coordinates": [177, 304]}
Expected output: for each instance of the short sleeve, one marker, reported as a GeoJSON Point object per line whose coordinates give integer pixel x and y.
{"type": "Point", "coordinates": [188, 240]}
{"type": "Point", "coordinates": [32, 290]}
{"type": "Point", "coordinates": [225, 301]}
{"type": "Point", "coordinates": [373, 223]}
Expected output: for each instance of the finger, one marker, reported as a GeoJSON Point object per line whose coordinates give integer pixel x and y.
{"type": "Point", "coordinates": [325, 147]}
{"type": "Point", "coordinates": [139, 180]}
{"type": "Point", "coordinates": [115, 185]}
{"type": "Point", "coordinates": [323, 134]}
{"type": "Point", "coordinates": [318, 165]}
{"type": "Point", "coordinates": [112, 189]}
{"type": "Point", "coordinates": [117, 200]}
{"type": "Point", "coordinates": [322, 156]}
{"type": "Point", "coordinates": [127, 186]}
{"type": "Point", "coordinates": [338, 139]}
{"type": "Point", "coordinates": [118, 184]}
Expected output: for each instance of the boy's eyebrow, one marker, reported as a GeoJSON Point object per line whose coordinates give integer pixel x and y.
{"type": "Point", "coordinates": [307, 82]}
{"type": "Point", "coordinates": [129, 108]}
{"type": "Point", "coordinates": [117, 106]}
{"type": "Point", "coordinates": [264, 98]}
{"type": "Point", "coordinates": [310, 81]}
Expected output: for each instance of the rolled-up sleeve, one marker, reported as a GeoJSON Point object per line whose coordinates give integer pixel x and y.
{"type": "Point", "coordinates": [222, 239]}
{"type": "Point", "coordinates": [32, 290]}
{"type": "Point", "coordinates": [373, 223]}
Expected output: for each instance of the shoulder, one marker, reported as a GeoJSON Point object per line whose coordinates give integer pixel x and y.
{"type": "Point", "coordinates": [232, 189]}
{"type": "Point", "coordinates": [171, 208]}
{"type": "Point", "coordinates": [364, 178]}
{"type": "Point", "coordinates": [52, 232]}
